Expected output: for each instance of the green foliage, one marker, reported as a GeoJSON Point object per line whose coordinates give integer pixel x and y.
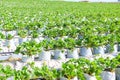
{"type": "Point", "coordinates": [28, 48]}
{"type": "Point", "coordinates": [45, 73]}
{"type": "Point", "coordinates": [23, 74]}
{"type": "Point", "coordinates": [69, 70]}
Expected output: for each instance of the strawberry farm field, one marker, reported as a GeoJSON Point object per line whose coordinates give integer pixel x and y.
{"type": "Point", "coordinates": [56, 40]}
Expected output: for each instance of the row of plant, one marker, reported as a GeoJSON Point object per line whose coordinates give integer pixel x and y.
{"type": "Point", "coordinates": [92, 34]}
{"type": "Point", "coordinates": [60, 49]}
{"type": "Point", "coordinates": [49, 19]}
{"type": "Point", "coordinates": [94, 26]}
{"type": "Point", "coordinates": [34, 22]}
{"type": "Point", "coordinates": [74, 69]}
{"type": "Point", "coordinates": [108, 26]}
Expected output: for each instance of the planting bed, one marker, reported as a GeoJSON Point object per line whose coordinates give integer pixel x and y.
{"type": "Point", "coordinates": [55, 40]}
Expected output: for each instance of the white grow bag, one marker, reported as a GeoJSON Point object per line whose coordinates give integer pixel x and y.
{"type": "Point", "coordinates": [27, 58]}
{"type": "Point", "coordinates": [10, 78]}
{"type": "Point", "coordinates": [106, 75]}
{"type": "Point", "coordinates": [99, 50]}
{"type": "Point", "coordinates": [89, 77]}
{"type": "Point", "coordinates": [45, 55]}
{"type": "Point", "coordinates": [63, 78]}
{"type": "Point", "coordinates": [58, 54]}
{"type": "Point", "coordinates": [73, 53]}
{"type": "Point", "coordinates": [84, 51]}
{"type": "Point", "coordinates": [115, 47]}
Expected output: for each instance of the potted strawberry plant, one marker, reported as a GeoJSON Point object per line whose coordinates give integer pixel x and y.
{"type": "Point", "coordinates": [99, 43]}
{"type": "Point", "coordinates": [28, 50]}
{"type": "Point", "coordinates": [109, 71]}
{"type": "Point", "coordinates": [6, 72]}
{"type": "Point", "coordinates": [23, 74]}
{"type": "Point", "coordinates": [72, 52]}
{"type": "Point", "coordinates": [58, 46]}
{"type": "Point", "coordinates": [90, 69]}
{"type": "Point", "coordinates": [73, 32]}
{"type": "Point", "coordinates": [9, 40]}
{"type": "Point", "coordinates": [45, 54]}
{"type": "Point", "coordinates": [69, 72]}
{"type": "Point", "coordinates": [22, 35]}
{"type": "Point", "coordinates": [112, 46]}
{"type": "Point", "coordinates": [86, 44]}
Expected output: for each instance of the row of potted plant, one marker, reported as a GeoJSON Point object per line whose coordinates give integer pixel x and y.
{"type": "Point", "coordinates": [59, 49]}
{"type": "Point", "coordinates": [74, 69]}
{"type": "Point", "coordinates": [70, 31]}
{"type": "Point", "coordinates": [98, 69]}
{"type": "Point", "coordinates": [88, 36]}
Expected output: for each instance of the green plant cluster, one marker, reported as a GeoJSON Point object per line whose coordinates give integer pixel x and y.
{"type": "Point", "coordinates": [69, 70]}
{"type": "Point", "coordinates": [32, 47]}
{"type": "Point", "coordinates": [97, 23]}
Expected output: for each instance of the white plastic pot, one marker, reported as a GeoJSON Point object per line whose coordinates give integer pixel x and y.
{"type": "Point", "coordinates": [85, 51]}
{"type": "Point", "coordinates": [26, 58]}
{"type": "Point", "coordinates": [63, 78]}
{"type": "Point", "coordinates": [7, 42]}
{"type": "Point", "coordinates": [37, 40]}
{"type": "Point", "coordinates": [89, 77]}
{"type": "Point", "coordinates": [18, 65]}
{"type": "Point", "coordinates": [58, 54]}
{"type": "Point", "coordinates": [12, 45]}
{"type": "Point", "coordinates": [10, 78]}
{"type": "Point", "coordinates": [117, 71]}
{"type": "Point", "coordinates": [99, 50]}
{"type": "Point", "coordinates": [16, 41]}
{"type": "Point", "coordinates": [106, 75]}
{"type": "Point", "coordinates": [45, 55]}
{"type": "Point", "coordinates": [115, 47]}
{"type": "Point", "coordinates": [63, 37]}
{"type": "Point", "coordinates": [73, 53]}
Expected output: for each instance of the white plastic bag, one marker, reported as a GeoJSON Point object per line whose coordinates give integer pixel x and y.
{"type": "Point", "coordinates": [89, 77]}
{"type": "Point", "coordinates": [45, 55]}
{"type": "Point", "coordinates": [63, 78]}
{"type": "Point", "coordinates": [85, 51]}
{"type": "Point", "coordinates": [27, 59]}
{"type": "Point", "coordinates": [99, 50]}
{"type": "Point", "coordinates": [73, 53]}
{"type": "Point", "coordinates": [106, 75]}
{"type": "Point", "coordinates": [58, 54]}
